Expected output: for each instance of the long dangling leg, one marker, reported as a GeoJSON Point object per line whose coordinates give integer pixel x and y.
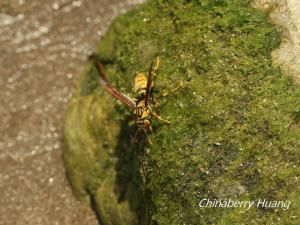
{"type": "Point", "coordinates": [148, 138]}
{"type": "Point", "coordinates": [133, 139]}
{"type": "Point", "coordinates": [159, 118]}
{"type": "Point", "coordinates": [167, 93]}
{"type": "Point", "coordinates": [171, 91]}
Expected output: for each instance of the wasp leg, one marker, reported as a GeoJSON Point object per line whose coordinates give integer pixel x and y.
{"type": "Point", "coordinates": [134, 138]}
{"type": "Point", "coordinates": [148, 138]}
{"type": "Point", "coordinates": [173, 90]}
{"type": "Point", "coordinates": [155, 104]}
{"type": "Point", "coordinates": [157, 64]}
{"type": "Point", "coordinates": [159, 118]}
{"type": "Point", "coordinates": [154, 69]}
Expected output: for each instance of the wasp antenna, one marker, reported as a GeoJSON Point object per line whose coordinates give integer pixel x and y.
{"type": "Point", "coordinates": [112, 90]}
{"type": "Point", "coordinates": [148, 87]}
{"type": "Point", "coordinates": [92, 56]}
{"type": "Point", "coordinates": [101, 69]}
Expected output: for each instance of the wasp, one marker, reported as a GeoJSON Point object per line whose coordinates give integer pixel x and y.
{"type": "Point", "coordinates": [139, 105]}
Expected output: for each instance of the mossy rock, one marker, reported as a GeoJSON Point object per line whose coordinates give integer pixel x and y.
{"type": "Point", "coordinates": [235, 121]}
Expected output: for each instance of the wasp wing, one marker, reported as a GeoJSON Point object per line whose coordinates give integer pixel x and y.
{"type": "Point", "coordinates": [113, 91]}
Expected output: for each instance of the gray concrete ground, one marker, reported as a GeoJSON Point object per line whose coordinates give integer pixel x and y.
{"type": "Point", "coordinates": [43, 49]}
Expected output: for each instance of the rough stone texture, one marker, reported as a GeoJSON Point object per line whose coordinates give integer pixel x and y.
{"type": "Point", "coordinates": [286, 15]}
{"type": "Point", "coordinates": [235, 122]}
{"type": "Point", "coordinates": [43, 49]}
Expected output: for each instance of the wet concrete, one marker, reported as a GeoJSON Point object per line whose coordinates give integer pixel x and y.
{"type": "Point", "coordinates": [43, 48]}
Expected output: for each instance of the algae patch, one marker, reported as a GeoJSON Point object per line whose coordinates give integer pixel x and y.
{"type": "Point", "coordinates": [235, 123]}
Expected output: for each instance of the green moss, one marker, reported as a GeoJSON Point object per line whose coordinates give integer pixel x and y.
{"type": "Point", "coordinates": [235, 123]}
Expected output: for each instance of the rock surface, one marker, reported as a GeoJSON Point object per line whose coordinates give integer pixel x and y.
{"type": "Point", "coordinates": [285, 14]}
{"type": "Point", "coordinates": [235, 121]}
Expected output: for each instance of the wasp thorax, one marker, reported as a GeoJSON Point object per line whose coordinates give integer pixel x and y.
{"type": "Point", "coordinates": [139, 105]}
{"type": "Point", "coordinates": [140, 84]}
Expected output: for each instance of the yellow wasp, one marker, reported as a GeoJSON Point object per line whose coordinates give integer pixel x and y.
{"type": "Point", "coordinates": [139, 105]}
